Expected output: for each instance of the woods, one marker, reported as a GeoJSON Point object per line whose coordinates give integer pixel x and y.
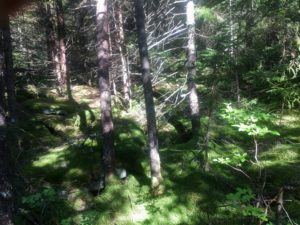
{"type": "Point", "coordinates": [149, 112]}
{"type": "Point", "coordinates": [5, 182]}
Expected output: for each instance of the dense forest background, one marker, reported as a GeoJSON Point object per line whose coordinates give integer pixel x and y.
{"type": "Point", "coordinates": [150, 112]}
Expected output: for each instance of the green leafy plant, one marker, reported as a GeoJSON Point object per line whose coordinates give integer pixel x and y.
{"type": "Point", "coordinates": [236, 160]}
{"type": "Point", "coordinates": [240, 202]}
{"type": "Point", "coordinates": [67, 221]}
{"type": "Point", "coordinates": [43, 206]}
{"type": "Point", "coordinates": [40, 199]}
{"type": "Point", "coordinates": [287, 89]}
{"type": "Point", "coordinates": [207, 15]}
{"type": "Point", "coordinates": [249, 119]}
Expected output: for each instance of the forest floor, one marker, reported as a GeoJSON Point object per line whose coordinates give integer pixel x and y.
{"type": "Point", "coordinates": [58, 161]}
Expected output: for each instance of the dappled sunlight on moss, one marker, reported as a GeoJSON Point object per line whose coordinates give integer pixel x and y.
{"type": "Point", "coordinates": [69, 160]}
{"type": "Point", "coordinates": [139, 214]}
{"type": "Point", "coordinates": [282, 154]}
{"type": "Point", "coordinates": [70, 164]}
{"type": "Point", "coordinates": [50, 158]}
{"type": "Point", "coordinates": [74, 172]}
{"type": "Point", "coordinates": [290, 119]}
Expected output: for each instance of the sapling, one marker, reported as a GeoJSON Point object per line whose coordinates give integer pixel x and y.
{"type": "Point", "coordinates": [249, 121]}
{"type": "Point", "coordinates": [240, 203]}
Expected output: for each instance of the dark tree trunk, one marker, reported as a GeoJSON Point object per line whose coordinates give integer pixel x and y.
{"type": "Point", "coordinates": [2, 85]}
{"type": "Point", "coordinates": [52, 53]}
{"type": "Point", "coordinates": [64, 80]}
{"type": "Point", "coordinates": [248, 33]}
{"type": "Point", "coordinates": [249, 26]}
{"type": "Point", "coordinates": [9, 71]}
{"type": "Point", "coordinates": [81, 63]}
{"type": "Point", "coordinates": [5, 187]}
{"type": "Point", "coordinates": [156, 177]}
{"type": "Point", "coordinates": [232, 52]}
{"type": "Point", "coordinates": [102, 48]}
{"type": "Point", "coordinates": [191, 68]}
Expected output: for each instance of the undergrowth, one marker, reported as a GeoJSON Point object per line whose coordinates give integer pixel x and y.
{"type": "Point", "coordinates": [58, 157]}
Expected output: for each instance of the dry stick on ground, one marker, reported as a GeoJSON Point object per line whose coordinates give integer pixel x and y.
{"type": "Point", "coordinates": [279, 200]}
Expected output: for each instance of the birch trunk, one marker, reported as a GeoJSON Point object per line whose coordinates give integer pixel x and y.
{"type": "Point", "coordinates": [191, 68]}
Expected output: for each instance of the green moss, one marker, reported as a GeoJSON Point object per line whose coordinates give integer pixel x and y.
{"type": "Point", "coordinates": [70, 160]}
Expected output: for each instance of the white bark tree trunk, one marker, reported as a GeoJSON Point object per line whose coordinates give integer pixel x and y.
{"type": "Point", "coordinates": [191, 69]}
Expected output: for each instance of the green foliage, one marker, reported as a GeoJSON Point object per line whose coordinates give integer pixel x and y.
{"type": "Point", "coordinates": [248, 119]}
{"type": "Point", "coordinates": [206, 14]}
{"type": "Point", "coordinates": [237, 159]}
{"type": "Point", "coordinates": [190, 197]}
{"type": "Point", "coordinates": [266, 59]}
{"type": "Point", "coordinates": [68, 221]}
{"type": "Point", "coordinates": [240, 203]}
{"type": "Point", "coordinates": [86, 218]}
{"type": "Point", "coordinates": [285, 89]}
{"type": "Point", "coordinates": [40, 199]}
{"type": "Point", "coordinates": [43, 206]}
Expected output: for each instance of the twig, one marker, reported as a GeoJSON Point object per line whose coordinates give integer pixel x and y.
{"type": "Point", "coordinates": [288, 216]}
{"type": "Point", "coordinates": [130, 202]}
{"type": "Point", "coordinates": [239, 170]}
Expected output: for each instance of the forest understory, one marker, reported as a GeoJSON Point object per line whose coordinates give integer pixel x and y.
{"type": "Point", "coordinates": [61, 166]}
{"type": "Point", "coordinates": [166, 112]}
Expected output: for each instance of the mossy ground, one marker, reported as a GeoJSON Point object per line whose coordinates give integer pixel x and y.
{"type": "Point", "coordinates": [67, 159]}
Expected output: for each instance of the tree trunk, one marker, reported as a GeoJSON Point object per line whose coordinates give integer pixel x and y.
{"type": "Point", "coordinates": [279, 207]}
{"type": "Point", "coordinates": [249, 25]}
{"type": "Point", "coordinates": [122, 52]}
{"type": "Point", "coordinates": [2, 85]}
{"type": "Point", "coordinates": [64, 80]}
{"type": "Point", "coordinates": [5, 187]}
{"type": "Point", "coordinates": [52, 53]}
{"type": "Point", "coordinates": [232, 54]}
{"type": "Point", "coordinates": [156, 177]}
{"type": "Point", "coordinates": [112, 74]}
{"type": "Point", "coordinates": [231, 48]}
{"type": "Point", "coordinates": [191, 68]}
{"type": "Point", "coordinates": [102, 49]}
{"type": "Point", "coordinates": [9, 71]}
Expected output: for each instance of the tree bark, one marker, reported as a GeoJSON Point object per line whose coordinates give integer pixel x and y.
{"type": "Point", "coordinates": [52, 53]}
{"type": "Point", "coordinates": [232, 54]}
{"type": "Point", "coordinates": [9, 71]}
{"type": "Point", "coordinates": [249, 25]}
{"type": "Point", "coordinates": [5, 186]}
{"type": "Point", "coordinates": [156, 177]}
{"type": "Point", "coordinates": [191, 68]}
{"type": "Point", "coordinates": [64, 80]}
{"type": "Point", "coordinates": [279, 207]}
{"type": "Point", "coordinates": [102, 48]}
{"type": "Point", "coordinates": [112, 73]}
{"type": "Point", "coordinates": [122, 52]}
{"type": "Point", "coordinates": [231, 28]}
